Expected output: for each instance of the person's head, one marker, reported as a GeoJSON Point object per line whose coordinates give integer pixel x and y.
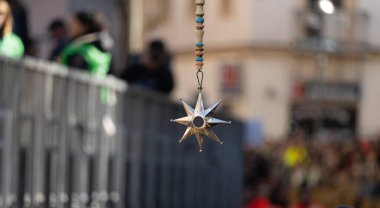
{"type": "Point", "coordinates": [83, 23]}
{"type": "Point", "coordinates": [57, 29]}
{"type": "Point", "coordinates": [156, 55]}
{"type": "Point", "coordinates": [6, 19]}
{"type": "Point", "coordinates": [157, 49]}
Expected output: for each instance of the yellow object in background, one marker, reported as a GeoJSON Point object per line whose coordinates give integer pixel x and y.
{"type": "Point", "coordinates": [294, 155]}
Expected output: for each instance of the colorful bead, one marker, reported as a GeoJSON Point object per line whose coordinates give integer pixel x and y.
{"type": "Point", "coordinates": [199, 44]}
{"type": "Point", "coordinates": [199, 26]}
{"type": "Point", "coordinates": [200, 20]}
{"type": "Point", "coordinates": [200, 59]}
{"type": "Point", "coordinates": [198, 63]}
{"type": "Point", "coordinates": [200, 12]}
{"type": "Point", "coordinates": [199, 34]}
{"type": "Point", "coordinates": [199, 53]}
{"type": "Point", "coordinates": [199, 50]}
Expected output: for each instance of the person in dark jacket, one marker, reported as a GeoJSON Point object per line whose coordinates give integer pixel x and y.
{"type": "Point", "coordinates": [153, 71]}
{"type": "Point", "coordinates": [58, 35]}
{"type": "Point", "coordinates": [89, 46]}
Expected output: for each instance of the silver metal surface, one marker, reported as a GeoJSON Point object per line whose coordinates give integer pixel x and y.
{"type": "Point", "coordinates": [199, 122]}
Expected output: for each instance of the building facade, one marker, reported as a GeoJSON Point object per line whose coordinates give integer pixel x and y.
{"type": "Point", "coordinates": [280, 65]}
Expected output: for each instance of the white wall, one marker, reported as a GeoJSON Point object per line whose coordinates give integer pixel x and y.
{"type": "Point", "coordinates": [372, 8]}
{"type": "Point", "coordinates": [369, 108]}
{"type": "Point", "coordinates": [272, 21]}
{"type": "Point", "coordinates": [268, 84]}
{"type": "Point", "coordinates": [369, 118]}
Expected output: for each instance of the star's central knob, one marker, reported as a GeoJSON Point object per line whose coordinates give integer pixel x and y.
{"type": "Point", "coordinates": [199, 122]}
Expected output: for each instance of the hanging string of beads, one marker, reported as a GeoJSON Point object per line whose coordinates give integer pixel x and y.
{"type": "Point", "coordinates": [198, 120]}
{"type": "Point", "coordinates": [199, 46]}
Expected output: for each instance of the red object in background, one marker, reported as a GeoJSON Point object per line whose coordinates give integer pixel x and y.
{"type": "Point", "coordinates": [301, 206]}
{"type": "Point", "coordinates": [298, 91]}
{"type": "Point", "coordinates": [231, 78]}
{"type": "Point", "coordinates": [260, 202]}
{"type": "Point", "coordinates": [365, 145]}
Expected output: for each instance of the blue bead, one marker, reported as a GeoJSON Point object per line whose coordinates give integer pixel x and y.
{"type": "Point", "coordinates": [200, 44]}
{"type": "Point", "coordinates": [200, 20]}
{"type": "Point", "coordinates": [199, 59]}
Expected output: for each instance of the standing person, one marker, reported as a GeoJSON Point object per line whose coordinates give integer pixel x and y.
{"type": "Point", "coordinates": [89, 44]}
{"type": "Point", "coordinates": [58, 34]}
{"type": "Point", "coordinates": [10, 44]}
{"type": "Point", "coordinates": [153, 71]}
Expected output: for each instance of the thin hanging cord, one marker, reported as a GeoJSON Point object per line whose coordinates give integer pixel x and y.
{"type": "Point", "coordinates": [200, 76]}
{"type": "Point", "coordinates": [199, 46]}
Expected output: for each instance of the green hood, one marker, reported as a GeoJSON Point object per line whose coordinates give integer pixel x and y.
{"type": "Point", "coordinates": [98, 61]}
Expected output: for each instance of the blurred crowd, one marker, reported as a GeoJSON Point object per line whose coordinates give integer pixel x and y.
{"type": "Point", "coordinates": [84, 43]}
{"type": "Point", "coordinates": [306, 173]}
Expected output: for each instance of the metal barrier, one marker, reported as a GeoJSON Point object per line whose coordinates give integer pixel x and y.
{"type": "Point", "coordinates": [68, 139]}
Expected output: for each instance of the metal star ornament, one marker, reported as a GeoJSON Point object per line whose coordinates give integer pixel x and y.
{"type": "Point", "coordinates": [199, 122]}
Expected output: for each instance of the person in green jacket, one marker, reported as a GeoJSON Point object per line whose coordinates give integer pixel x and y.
{"type": "Point", "coordinates": [10, 44]}
{"type": "Point", "coordinates": [89, 46]}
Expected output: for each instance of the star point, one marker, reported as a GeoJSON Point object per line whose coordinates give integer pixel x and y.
{"type": "Point", "coordinates": [199, 122]}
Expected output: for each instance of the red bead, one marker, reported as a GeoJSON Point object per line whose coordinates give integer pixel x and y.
{"type": "Point", "coordinates": [199, 53]}
{"type": "Point", "coordinates": [199, 26]}
{"type": "Point", "coordinates": [198, 63]}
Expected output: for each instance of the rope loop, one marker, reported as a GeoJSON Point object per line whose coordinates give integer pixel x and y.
{"type": "Point", "coordinates": [200, 76]}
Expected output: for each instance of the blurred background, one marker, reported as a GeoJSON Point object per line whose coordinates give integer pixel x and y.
{"type": "Point", "coordinates": [299, 78]}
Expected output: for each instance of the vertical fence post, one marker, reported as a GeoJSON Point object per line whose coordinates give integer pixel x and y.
{"type": "Point", "coordinates": [6, 158]}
